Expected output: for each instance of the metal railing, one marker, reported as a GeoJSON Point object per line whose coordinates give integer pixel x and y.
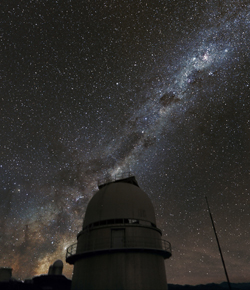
{"type": "Point", "coordinates": [112, 244]}
{"type": "Point", "coordinates": [71, 250]}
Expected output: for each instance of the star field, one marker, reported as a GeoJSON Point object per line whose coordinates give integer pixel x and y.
{"type": "Point", "coordinates": [90, 89]}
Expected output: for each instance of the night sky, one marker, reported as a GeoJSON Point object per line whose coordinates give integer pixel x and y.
{"type": "Point", "coordinates": [91, 89]}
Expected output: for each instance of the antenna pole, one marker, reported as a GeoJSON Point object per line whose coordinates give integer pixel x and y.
{"type": "Point", "coordinates": [218, 243]}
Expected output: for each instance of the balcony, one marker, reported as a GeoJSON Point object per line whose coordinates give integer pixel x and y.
{"type": "Point", "coordinates": [158, 246]}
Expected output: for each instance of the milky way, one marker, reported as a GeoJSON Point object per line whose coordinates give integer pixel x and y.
{"type": "Point", "coordinates": [92, 89]}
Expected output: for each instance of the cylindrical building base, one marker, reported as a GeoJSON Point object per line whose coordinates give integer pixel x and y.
{"type": "Point", "coordinates": [120, 271]}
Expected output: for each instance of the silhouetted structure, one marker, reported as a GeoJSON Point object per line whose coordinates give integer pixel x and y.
{"type": "Point", "coordinates": [218, 243]}
{"type": "Point", "coordinates": [120, 246]}
{"type": "Point", "coordinates": [5, 274]}
{"type": "Point", "coordinates": [56, 268]}
{"type": "Point", "coordinates": [53, 281]}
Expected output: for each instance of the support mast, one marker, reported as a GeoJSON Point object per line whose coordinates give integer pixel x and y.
{"type": "Point", "coordinates": [218, 243]}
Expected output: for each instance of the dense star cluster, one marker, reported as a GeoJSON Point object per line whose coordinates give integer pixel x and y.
{"type": "Point", "coordinates": [90, 89]}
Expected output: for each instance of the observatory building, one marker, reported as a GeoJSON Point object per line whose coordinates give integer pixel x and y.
{"type": "Point", "coordinates": [119, 246]}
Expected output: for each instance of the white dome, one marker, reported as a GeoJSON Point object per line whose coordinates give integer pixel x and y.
{"type": "Point", "coordinates": [58, 263]}
{"type": "Point", "coordinates": [119, 200]}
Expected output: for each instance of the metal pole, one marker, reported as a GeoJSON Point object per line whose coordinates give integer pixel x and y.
{"type": "Point", "coordinates": [218, 243]}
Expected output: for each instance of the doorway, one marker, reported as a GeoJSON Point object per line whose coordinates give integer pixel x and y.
{"type": "Point", "coordinates": [118, 238]}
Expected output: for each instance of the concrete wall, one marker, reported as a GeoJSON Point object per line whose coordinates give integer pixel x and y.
{"type": "Point", "coordinates": [101, 237]}
{"type": "Point", "coordinates": [133, 269]}
{"type": "Point", "coordinates": [120, 271]}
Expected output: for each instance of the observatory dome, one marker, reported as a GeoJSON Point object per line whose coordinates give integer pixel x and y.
{"type": "Point", "coordinates": [58, 264]}
{"type": "Point", "coordinates": [119, 200]}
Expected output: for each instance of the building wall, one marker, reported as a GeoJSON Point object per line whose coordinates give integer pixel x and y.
{"type": "Point", "coordinates": [103, 237]}
{"type": "Point", "coordinates": [120, 271]}
{"type": "Point", "coordinates": [131, 269]}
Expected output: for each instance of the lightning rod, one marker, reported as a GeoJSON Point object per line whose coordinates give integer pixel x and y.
{"type": "Point", "coordinates": [218, 243]}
